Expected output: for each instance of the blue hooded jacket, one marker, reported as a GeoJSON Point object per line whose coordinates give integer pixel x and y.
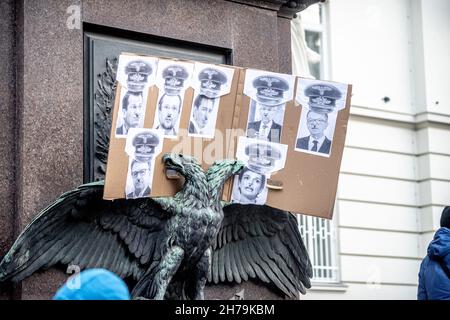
{"type": "Point", "coordinates": [434, 284]}
{"type": "Point", "coordinates": [94, 284]}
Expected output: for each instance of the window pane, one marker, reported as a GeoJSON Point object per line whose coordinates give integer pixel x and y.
{"type": "Point", "coordinates": [318, 238]}
{"type": "Point", "coordinates": [314, 42]}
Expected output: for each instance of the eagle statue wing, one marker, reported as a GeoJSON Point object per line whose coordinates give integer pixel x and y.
{"type": "Point", "coordinates": [80, 228]}
{"type": "Point", "coordinates": [263, 243]}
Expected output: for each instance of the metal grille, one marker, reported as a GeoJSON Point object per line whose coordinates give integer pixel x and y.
{"type": "Point", "coordinates": [319, 237]}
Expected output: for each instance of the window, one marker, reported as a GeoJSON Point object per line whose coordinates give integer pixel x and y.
{"type": "Point", "coordinates": [310, 49]}
{"type": "Point", "coordinates": [319, 237]}
{"type": "Point", "coordinates": [313, 21]}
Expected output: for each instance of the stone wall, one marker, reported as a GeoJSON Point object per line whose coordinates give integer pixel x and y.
{"type": "Point", "coordinates": [42, 99]}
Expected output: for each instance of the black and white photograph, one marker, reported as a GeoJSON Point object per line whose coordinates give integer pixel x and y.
{"type": "Point", "coordinates": [210, 82]}
{"type": "Point", "coordinates": [268, 94]}
{"type": "Point", "coordinates": [131, 111]}
{"type": "Point", "coordinates": [142, 147]}
{"type": "Point", "coordinates": [249, 187]}
{"type": "Point", "coordinates": [135, 74]}
{"type": "Point", "coordinates": [203, 117]}
{"type": "Point", "coordinates": [173, 78]}
{"type": "Point", "coordinates": [265, 122]}
{"type": "Point", "coordinates": [261, 156]}
{"type": "Point", "coordinates": [321, 102]}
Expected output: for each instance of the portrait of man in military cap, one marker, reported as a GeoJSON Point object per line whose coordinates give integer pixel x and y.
{"type": "Point", "coordinates": [172, 82]}
{"type": "Point", "coordinates": [266, 114]}
{"type": "Point", "coordinates": [131, 112]}
{"type": "Point", "coordinates": [203, 110]}
{"type": "Point", "coordinates": [321, 102]}
{"type": "Point", "coordinates": [134, 74]}
{"type": "Point", "coordinates": [249, 187]}
{"type": "Point", "coordinates": [210, 83]}
{"type": "Point", "coordinates": [142, 146]}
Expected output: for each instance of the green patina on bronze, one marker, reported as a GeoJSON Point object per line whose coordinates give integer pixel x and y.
{"type": "Point", "coordinates": [170, 246]}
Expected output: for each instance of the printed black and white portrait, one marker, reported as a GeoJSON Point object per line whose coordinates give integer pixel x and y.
{"type": "Point", "coordinates": [173, 78]}
{"type": "Point", "coordinates": [131, 112]}
{"type": "Point", "coordinates": [249, 187]}
{"type": "Point", "coordinates": [261, 156]}
{"type": "Point", "coordinates": [210, 82]}
{"type": "Point", "coordinates": [321, 102]}
{"type": "Point", "coordinates": [136, 73]}
{"type": "Point", "coordinates": [265, 122]}
{"type": "Point", "coordinates": [142, 147]}
{"type": "Point", "coordinates": [268, 94]}
{"type": "Point", "coordinates": [139, 179]}
{"type": "Point", "coordinates": [203, 117]}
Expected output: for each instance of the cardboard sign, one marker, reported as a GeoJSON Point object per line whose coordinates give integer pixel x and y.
{"type": "Point", "coordinates": [289, 131]}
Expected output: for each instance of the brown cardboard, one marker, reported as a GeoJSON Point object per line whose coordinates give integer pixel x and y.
{"type": "Point", "coordinates": [307, 184]}
{"type": "Point", "coordinates": [117, 165]}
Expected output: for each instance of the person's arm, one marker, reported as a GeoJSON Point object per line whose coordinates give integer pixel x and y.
{"type": "Point", "coordinates": [421, 291]}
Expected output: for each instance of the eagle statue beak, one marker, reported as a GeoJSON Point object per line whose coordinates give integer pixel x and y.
{"type": "Point", "coordinates": [174, 166]}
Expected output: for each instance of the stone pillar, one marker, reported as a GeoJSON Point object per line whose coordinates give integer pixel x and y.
{"type": "Point", "coordinates": [8, 127]}
{"type": "Point", "coordinates": [43, 124]}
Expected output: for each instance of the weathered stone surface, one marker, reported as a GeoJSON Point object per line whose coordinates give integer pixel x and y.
{"type": "Point", "coordinates": [50, 112]}
{"type": "Point", "coordinates": [7, 125]}
{"type": "Point", "coordinates": [48, 105]}
{"type": "Point", "coordinates": [248, 290]}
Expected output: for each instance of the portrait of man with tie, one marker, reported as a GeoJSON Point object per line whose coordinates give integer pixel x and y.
{"type": "Point", "coordinates": [267, 111]}
{"type": "Point", "coordinates": [318, 118]}
{"type": "Point", "coordinates": [316, 141]}
{"type": "Point", "coordinates": [266, 128]}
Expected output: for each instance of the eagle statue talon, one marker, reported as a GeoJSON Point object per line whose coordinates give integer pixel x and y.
{"type": "Point", "coordinates": [172, 246]}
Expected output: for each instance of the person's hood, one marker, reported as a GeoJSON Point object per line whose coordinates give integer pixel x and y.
{"type": "Point", "coordinates": [440, 246]}
{"type": "Point", "coordinates": [94, 284]}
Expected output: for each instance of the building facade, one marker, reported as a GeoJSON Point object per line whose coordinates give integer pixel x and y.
{"type": "Point", "coordinates": [395, 173]}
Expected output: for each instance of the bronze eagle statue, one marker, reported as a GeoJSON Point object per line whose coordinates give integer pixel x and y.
{"type": "Point", "coordinates": [170, 246]}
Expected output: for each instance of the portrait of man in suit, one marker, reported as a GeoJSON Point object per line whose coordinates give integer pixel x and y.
{"type": "Point", "coordinates": [140, 174]}
{"type": "Point", "coordinates": [143, 148]}
{"type": "Point", "coordinates": [266, 128]}
{"type": "Point", "coordinates": [132, 111]}
{"type": "Point", "coordinates": [202, 110]}
{"type": "Point", "coordinates": [316, 141]}
{"type": "Point", "coordinates": [268, 106]}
